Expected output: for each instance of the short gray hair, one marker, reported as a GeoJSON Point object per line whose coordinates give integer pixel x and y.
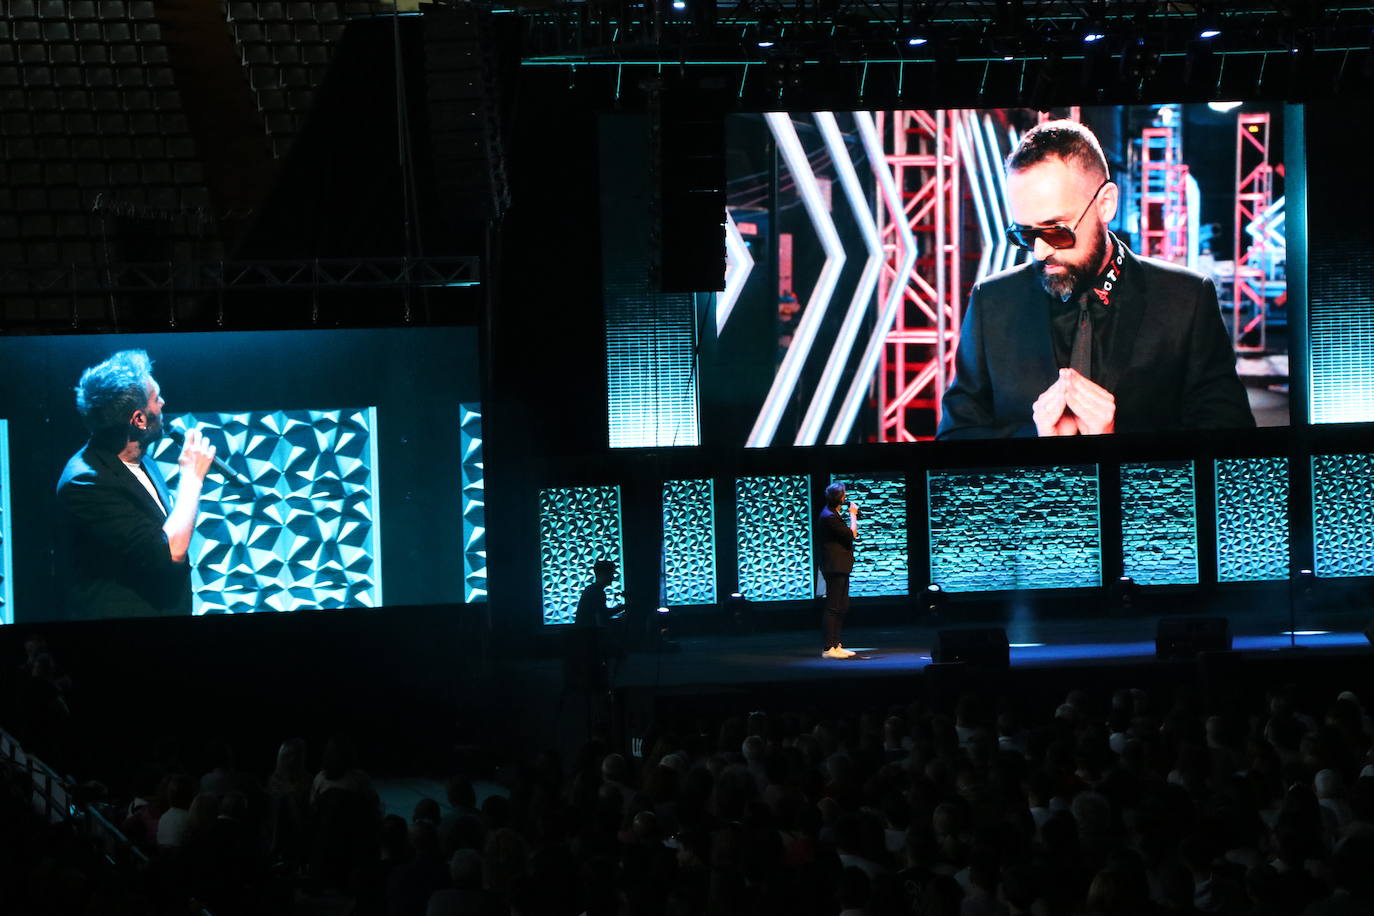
{"type": "Point", "coordinates": [834, 494]}
{"type": "Point", "coordinates": [108, 394]}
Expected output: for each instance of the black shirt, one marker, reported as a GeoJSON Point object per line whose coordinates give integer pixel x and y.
{"type": "Point", "coordinates": [1065, 314]}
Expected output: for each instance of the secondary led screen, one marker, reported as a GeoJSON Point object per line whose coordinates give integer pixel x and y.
{"type": "Point", "coordinates": [354, 473]}
{"type": "Point", "coordinates": [873, 292]}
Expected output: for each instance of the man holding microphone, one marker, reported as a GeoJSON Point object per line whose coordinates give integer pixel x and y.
{"type": "Point", "coordinates": [836, 539]}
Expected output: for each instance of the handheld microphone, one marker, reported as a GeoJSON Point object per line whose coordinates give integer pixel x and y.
{"type": "Point", "coordinates": [228, 473]}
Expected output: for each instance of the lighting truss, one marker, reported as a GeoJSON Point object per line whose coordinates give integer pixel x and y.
{"type": "Point", "coordinates": [210, 276]}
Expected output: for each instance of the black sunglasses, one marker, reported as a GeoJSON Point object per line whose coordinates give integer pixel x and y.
{"type": "Point", "coordinates": [1056, 236]}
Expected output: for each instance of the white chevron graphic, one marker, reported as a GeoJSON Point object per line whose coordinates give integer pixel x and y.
{"type": "Point", "coordinates": [738, 263]}
{"type": "Point", "coordinates": [863, 291]}
{"type": "Point", "coordinates": [868, 362]}
{"type": "Point", "coordinates": [785, 382]}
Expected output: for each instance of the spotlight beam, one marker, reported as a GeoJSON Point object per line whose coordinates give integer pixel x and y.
{"type": "Point", "coordinates": [785, 382]}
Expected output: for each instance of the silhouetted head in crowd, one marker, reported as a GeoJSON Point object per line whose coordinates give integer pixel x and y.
{"type": "Point", "coordinates": [424, 839]}
{"type": "Point", "coordinates": [426, 809]}
{"type": "Point", "coordinates": [395, 842]}
{"type": "Point", "coordinates": [181, 790]}
{"type": "Point", "coordinates": [233, 806]}
{"type": "Point", "coordinates": [290, 767]}
{"type": "Point", "coordinates": [461, 796]}
{"type": "Point", "coordinates": [204, 809]}
{"type": "Point", "coordinates": [339, 758]}
{"type": "Point", "coordinates": [465, 870]}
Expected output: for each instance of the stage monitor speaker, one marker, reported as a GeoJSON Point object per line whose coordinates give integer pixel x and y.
{"type": "Point", "coordinates": [1185, 637]}
{"type": "Point", "coordinates": [985, 647]}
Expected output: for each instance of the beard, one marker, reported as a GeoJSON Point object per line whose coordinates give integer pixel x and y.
{"type": "Point", "coordinates": [1074, 278]}
{"type": "Point", "coordinates": [149, 435]}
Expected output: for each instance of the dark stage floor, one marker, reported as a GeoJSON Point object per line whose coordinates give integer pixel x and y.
{"type": "Point", "coordinates": [777, 657]}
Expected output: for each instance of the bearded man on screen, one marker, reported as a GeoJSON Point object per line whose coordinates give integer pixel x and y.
{"type": "Point", "coordinates": [128, 536]}
{"type": "Point", "coordinates": [1087, 338]}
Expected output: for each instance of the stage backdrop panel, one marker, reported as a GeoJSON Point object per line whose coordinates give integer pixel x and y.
{"type": "Point", "coordinates": [474, 503]}
{"type": "Point", "coordinates": [306, 536]}
{"type": "Point", "coordinates": [1252, 519]}
{"type": "Point", "coordinates": [1159, 523]}
{"type": "Point", "coordinates": [1341, 327]}
{"type": "Point", "coordinates": [689, 542]}
{"type": "Point", "coordinates": [773, 534]}
{"type": "Point", "coordinates": [577, 527]}
{"type": "Point", "coordinates": [880, 557]}
{"type": "Point", "coordinates": [1343, 514]}
{"type": "Point", "coordinates": [651, 337]}
{"type": "Point", "coordinates": [6, 558]}
{"type": "Point", "coordinates": [1015, 528]}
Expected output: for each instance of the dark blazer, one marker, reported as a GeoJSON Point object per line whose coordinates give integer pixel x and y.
{"type": "Point", "coordinates": [121, 564]}
{"type": "Point", "coordinates": [836, 542]}
{"type": "Point", "coordinates": [1171, 365]}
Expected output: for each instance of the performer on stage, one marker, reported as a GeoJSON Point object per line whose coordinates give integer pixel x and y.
{"type": "Point", "coordinates": [1088, 338]}
{"type": "Point", "coordinates": [128, 536]}
{"type": "Point", "coordinates": [836, 540]}
{"type": "Point", "coordinates": [586, 662]}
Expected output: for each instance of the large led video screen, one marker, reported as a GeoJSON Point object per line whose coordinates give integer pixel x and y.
{"type": "Point", "coordinates": [917, 275]}
{"type": "Point", "coordinates": [346, 472]}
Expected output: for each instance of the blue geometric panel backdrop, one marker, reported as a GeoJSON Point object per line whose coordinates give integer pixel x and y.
{"type": "Point", "coordinates": [1159, 523]}
{"type": "Point", "coordinates": [1343, 515]}
{"type": "Point", "coordinates": [1252, 519]}
{"type": "Point", "coordinates": [307, 537]}
{"type": "Point", "coordinates": [474, 503]}
{"type": "Point", "coordinates": [689, 542]}
{"type": "Point", "coordinates": [577, 527]}
{"type": "Point", "coordinates": [773, 532]}
{"type": "Point", "coordinates": [6, 580]}
{"type": "Point", "coordinates": [880, 555]}
{"type": "Point", "coordinates": [1014, 528]}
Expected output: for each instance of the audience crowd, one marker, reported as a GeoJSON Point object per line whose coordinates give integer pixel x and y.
{"type": "Point", "coordinates": [1122, 803]}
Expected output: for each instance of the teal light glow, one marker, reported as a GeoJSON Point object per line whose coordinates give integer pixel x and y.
{"type": "Point", "coordinates": [577, 527]}
{"type": "Point", "coordinates": [1252, 519]}
{"type": "Point", "coordinates": [880, 557]}
{"type": "Point", "coordinates": [308, 536]}
{"type": "Point", "coordinates": [1015, 528]}
{"type": "Point", "coordinates": [773, 537]}
{"type": "Point", "coordinates": [474, 503]}
{"type": "Point", "coordinates": [1159, 523]}
{"type": "Point", "coordinates": [689, 542]}
{"type": "Point", "coordinates": [6, 560]}
{"type": "Point", "coordinates": [1343, 515]}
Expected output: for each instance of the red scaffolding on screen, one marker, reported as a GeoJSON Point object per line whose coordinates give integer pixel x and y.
{"type": "Point", "coordinates": [1254, 195]}
{"type": "Point", "coordinates": [918, 355]}
{"type": "Point", "coordinates": [1163, 196]}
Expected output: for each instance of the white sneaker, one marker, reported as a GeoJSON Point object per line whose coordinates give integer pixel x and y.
{"type": "Point", "coordinates": [835, 652]}
{"type": "Point", "coordinates": [845, 652]}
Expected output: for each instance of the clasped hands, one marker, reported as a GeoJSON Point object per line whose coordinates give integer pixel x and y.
{"type": "Point", "coordinates": [1074, 405]}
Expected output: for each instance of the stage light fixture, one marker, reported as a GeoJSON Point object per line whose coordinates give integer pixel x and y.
{"type": "Point", "coordinates": [915, 41]}
{"type": "Point", "coordinates": [933, 599]}
{"type": "Point", "coordinates": [768, 32]}
{"type": "Point", "coordinates": [679, 5]}
{"type": "Point", "coordinates": [1224, 107]}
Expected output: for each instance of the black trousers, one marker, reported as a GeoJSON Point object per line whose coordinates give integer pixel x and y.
{"type": "Point", "coordinates": [836, 604]}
